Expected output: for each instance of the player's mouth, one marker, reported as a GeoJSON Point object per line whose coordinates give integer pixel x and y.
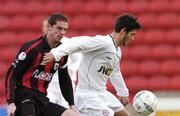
{"type": "Point", "coordinates": [59, 37]}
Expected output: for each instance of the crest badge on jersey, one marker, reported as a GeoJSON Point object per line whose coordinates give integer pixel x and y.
{"type": "Point", "coordinates": [105, 113]}
{"type": "Point", "coordinates": [56, 65]}
{"type": "Point", "coordinates": [22, 56]}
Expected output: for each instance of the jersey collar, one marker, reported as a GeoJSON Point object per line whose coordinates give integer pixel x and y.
{"type": "Point", "coordinates": [46, 43]}
{"type": "Point", "coordinates": [114, 42]}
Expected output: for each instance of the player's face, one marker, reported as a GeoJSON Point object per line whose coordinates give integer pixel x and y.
{"type": "Point", "coordinates": [59, 30]}
{"type": "Point", "coordinates": [129, 37]}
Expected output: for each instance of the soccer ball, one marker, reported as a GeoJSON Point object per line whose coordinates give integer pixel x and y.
{"type": "Point", "coordinates": [145, 102]}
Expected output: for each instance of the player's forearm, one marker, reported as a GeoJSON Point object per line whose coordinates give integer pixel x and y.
{"type": "Point", "coordinates": [118, 82]}
{"type": "Point", "coordinates": [120, 86]}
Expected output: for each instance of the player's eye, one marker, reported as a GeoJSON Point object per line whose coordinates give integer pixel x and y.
{"type": "Point", "coordinates": [60, 28]}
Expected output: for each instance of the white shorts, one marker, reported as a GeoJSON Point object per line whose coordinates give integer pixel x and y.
{"type": "Point", "coordinates": [97, 103]}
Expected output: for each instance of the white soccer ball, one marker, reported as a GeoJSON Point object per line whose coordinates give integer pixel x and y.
{"type": "Point", "coordinates": [145, 102]}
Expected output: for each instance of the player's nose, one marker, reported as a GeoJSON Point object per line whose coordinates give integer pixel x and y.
{"type": "Point", "coordinates": [132, 38]}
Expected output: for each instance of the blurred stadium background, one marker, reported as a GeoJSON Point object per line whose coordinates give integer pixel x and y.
{"type": "Point", "coordinates": [152, 62]}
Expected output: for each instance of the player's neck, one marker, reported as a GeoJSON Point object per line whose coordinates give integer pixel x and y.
{"type": "Point", "coordinates": [50, 41]}
{"type": "Point", "coordinates": [116, 39]}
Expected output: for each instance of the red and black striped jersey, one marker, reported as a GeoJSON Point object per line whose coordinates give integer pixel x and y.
{"type": "Point", "coordinates": [27, 71]}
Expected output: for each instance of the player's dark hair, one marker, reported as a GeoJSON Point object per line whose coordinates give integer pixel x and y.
{"type": "Point", "coordinates": [56, 17]}
{"type": "Point", "coordinates": [127, 21]}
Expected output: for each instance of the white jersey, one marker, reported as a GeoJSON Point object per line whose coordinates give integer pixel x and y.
{"type": "Point", "coordinates": [100, 61]}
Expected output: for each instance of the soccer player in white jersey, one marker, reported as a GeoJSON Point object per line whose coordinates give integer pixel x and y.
{"type": "Point", "coordinates": [54, 93]}
{"type": "Point", "coordinates": [100, 62]}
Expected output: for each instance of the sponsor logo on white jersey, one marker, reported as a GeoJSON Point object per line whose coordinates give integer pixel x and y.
{"type": "Point", "coordinates": [105, 70]}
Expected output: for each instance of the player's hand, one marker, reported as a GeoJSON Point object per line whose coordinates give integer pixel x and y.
{"type": "Point", "coordinates": [48, 57]}
{"type": "Point", "coordinates": [72, 107]}
{"type": "Point", "coordinates": [124, 100]}
{"type": "Point", "coordinates": [11, 109]}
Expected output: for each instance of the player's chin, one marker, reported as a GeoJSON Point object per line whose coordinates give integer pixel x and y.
{"type": "Point", "coordinates": [59, 38]}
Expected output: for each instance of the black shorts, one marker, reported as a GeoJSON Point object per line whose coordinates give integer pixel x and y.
{"type": "Point", "coordinates": [34, 103]}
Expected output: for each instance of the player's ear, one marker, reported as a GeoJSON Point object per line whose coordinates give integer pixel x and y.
{"type": "Point", "coordinates": [49, 27]}
{"type": "Point", "coordinates": [123, 30]}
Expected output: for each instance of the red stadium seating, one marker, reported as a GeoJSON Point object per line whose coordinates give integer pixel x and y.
{"type": "Point", "coordinates": [136, 83]}
{"type": "Point", "coordinates": [174, 82]}
{"type": "Point", "coordinates": [129, 67]}
{"type": "Point", "coordinates": [2, 88]}
{"type": "Point", "coordinates": [167, 20]}
{"type": "Point", "coordinates": [126, 53]}
{"type": "Point", "coordinates": [12, 8]}
{"type": "Point", "coordinates": [33, 8]}
{"type": "Point", "coordinates": [9, 54]}
{"type": "Point", "coordinates": [139, 52]}
{"type": "Point", "coordinates": [103, 22]}
{"type": "Point", "coordinates": [148, 20]}
{"type": "Point", "coordinates": [81, 22]}
{"type": "Point", "coordinates": [178, 21]}
{"type": "Point", "coordinates": [53, 6]}
{"type": "Point", "coordinates": [137, 7]}
{"type": "Point", "coordinates": [159, 82]}
{"type": "Point", "coordinates": [170, 67]}
{"type": "Point", "coordinates": [148, 67]}
{"type": "Point", "coordinates": [174, 6]}
{"type": "Point", "coordinates": [73, 8]}
{"type": "Point", "coordinates": [19, 23]}
{"type": "Point", "coordinates": [25, 37]}
{"type": "Point", "coordinates": [162, 51]}
{"type": "Point", "coordinates": [37, 22]}
{"type": "Point", "coordinates": [4, 23]}
{"type": "Point", "coordinates": [1, 8]}
{"type": "Point", "coordinates": [7, 39]}
{"type": "Point", "coordinates": [176, 52]}
{"type": "Point", "coordinates": [158, 6]}
{"type": "Point", "coordinates": [4, 67]}
{"type": "Point", "coordinates": [117, 7]}
{"type": "Point", "coordinates": [2, 99]}
{"type": "Point", "coordinates": [154, 36]}
{"type": "Point", "coordinates": [172, 36]}
{"type": "Point", "coordinates": [94, 7]}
